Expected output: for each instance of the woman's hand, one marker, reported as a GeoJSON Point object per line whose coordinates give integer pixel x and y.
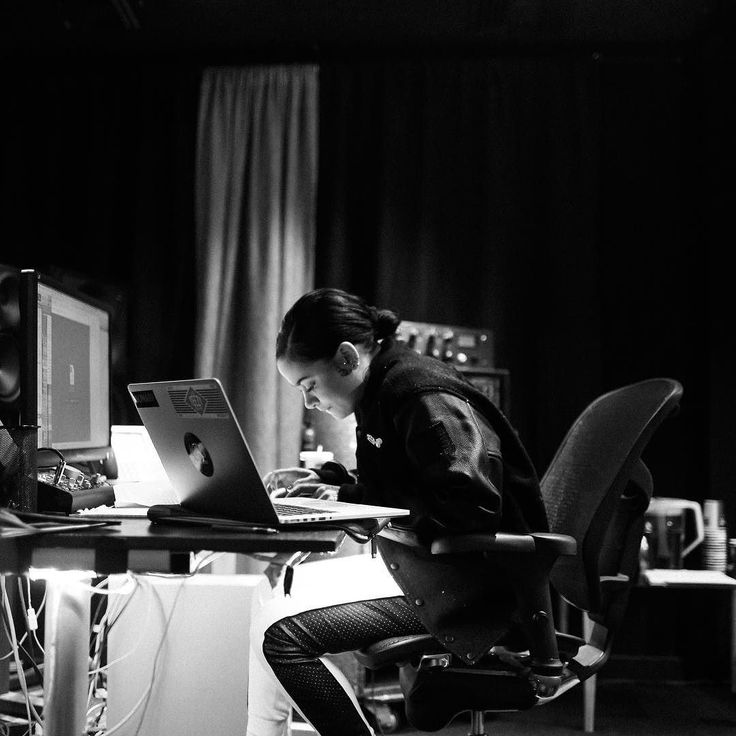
{"type": "Point", "coordinates": [287, 482]}
{"type": "Point", "coordinates": [311, 489]}
{"type": "Point", "coordinates": [282, 481]}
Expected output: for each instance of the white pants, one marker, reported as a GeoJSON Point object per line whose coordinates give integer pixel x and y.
{"type": "Point", "coordinates": [315, 585]}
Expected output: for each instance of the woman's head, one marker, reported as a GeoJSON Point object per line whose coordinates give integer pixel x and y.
{"type": "Point", "coordinates": [325, 344]}
{"type": "Point", "coordinates": [320, 320]}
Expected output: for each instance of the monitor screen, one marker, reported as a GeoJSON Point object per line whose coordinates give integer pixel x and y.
{"type": "Point", "coordinates": [73, 372]}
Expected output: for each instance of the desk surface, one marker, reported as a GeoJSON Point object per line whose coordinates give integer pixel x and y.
{"type": "Point", "coordinates": [686, 579]}
{"type": "Point", "coordinates": [108, 548]}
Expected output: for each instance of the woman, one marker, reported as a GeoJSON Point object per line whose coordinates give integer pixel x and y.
{"type": "Point", "coordinates": [427, 441]}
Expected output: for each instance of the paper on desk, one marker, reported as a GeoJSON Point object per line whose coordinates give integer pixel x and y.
{"type": "Point", "coordinates": [143, 493]}
{"type": "Point", "coordinates": [133, 498]}
{"type": "Point", "coordinates": [111, 512]}
{"type": "Point", "coordinates": [687, 577]}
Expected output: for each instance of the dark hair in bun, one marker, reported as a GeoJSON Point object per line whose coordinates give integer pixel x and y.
{"type": "Point", "coordinates": [320, 320]}
{"type": "Point", "coordinates": [385, 323]}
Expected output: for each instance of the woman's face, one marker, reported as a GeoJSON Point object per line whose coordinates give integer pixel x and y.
{"type": "Point", "coordinates": [325, 384]}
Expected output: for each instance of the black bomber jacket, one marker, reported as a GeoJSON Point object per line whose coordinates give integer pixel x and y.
{"type": "Point", "coordinates": [431, 442]}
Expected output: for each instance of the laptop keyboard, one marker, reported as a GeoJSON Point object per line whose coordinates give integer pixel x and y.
{"type": "Point", "coordinates": [288, 509]}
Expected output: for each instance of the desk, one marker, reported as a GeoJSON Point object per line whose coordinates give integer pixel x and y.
{"type": "Point", "coordinates": [133, 544]}
{"type": "Point", "coordinates": [698, 580]}
{"type": "Point", "coordinates": [681, 579]}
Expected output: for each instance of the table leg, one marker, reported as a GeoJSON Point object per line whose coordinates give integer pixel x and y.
{"type": "Point", "coordinates": [66, 659]}
{"type": "Point", "coordinates": [589, 686]}
{"type": "Point", "coordinates": [5, 646]}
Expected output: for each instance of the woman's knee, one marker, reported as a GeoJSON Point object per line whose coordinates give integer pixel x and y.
{"type": "Point", "coordinates": [282, 644]}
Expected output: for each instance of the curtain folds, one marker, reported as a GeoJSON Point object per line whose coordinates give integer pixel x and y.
{"type": "Point", "coordinates": [464, 191]}
{"type": "Point", "coordinates": [256, 174]}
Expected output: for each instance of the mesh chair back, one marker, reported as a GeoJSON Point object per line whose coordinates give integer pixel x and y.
{"type": "Point", "coordinates": [597, 489]}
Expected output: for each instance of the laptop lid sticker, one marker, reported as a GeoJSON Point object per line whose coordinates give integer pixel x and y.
{"type": "Point", "coordinates": [203, 402]}
{"type": "Point", "coordinates": [201, 459]}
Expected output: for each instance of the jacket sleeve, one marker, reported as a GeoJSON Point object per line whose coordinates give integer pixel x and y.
{"type": "Point", "coordinates": [454, 465]}
{"type": "Point", "coordinates": [350, 490]}
{"type": "Point", "coordinates": [455, 461]}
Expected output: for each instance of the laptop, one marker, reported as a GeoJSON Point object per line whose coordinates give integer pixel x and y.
{"type": "Point", "coordinates": [206, 457]}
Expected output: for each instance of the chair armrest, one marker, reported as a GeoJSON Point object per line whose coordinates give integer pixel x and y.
{"type": "Point", "coordinates": [542, 542]}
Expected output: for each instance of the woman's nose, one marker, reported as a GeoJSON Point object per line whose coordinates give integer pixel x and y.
{"type": "Point", "coordinates": [310, 401]}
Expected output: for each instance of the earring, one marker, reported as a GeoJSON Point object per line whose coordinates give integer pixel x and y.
{"type": "Point", "coordinates": [346, 368]}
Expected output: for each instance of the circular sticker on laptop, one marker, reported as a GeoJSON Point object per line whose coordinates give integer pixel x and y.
{"type": "Point", "coordinates": [198, 454]}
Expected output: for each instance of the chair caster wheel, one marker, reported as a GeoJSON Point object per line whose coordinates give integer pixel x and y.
{"type": "Point", "coordinates": [389, 719]}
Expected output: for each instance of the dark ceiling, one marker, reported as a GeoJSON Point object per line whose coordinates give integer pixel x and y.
{"type": "Point", "coordinates": [284, 27]}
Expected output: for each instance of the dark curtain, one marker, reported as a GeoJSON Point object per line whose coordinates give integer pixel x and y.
{"type": "Point", "coordinates": [97, 188]}
{"type": "Point", "coordinates": [548, 198]}
{"type": "Point", "coordinates": [448, 185]}
{"type": "Point", "coordinates": [718, 111]}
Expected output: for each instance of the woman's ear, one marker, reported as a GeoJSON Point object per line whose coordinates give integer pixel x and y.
{"type": "Point", "coordinates": [346, 358]}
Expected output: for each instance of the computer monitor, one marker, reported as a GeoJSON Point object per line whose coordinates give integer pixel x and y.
{"type": "Point", "coordinates": [72, 372]}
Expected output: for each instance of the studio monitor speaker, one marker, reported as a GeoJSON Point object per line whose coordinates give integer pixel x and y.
{"type": "Point", "coordinates": [10, 347]}
{"type": "Point", "coordinates": [18, 294]}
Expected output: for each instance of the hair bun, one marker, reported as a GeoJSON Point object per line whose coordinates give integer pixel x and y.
{"type": "Point", "coordinates": [385, 322]}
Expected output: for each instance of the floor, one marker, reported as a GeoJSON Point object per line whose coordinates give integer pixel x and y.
{"type": "Point", "coordinates": [624, 708]}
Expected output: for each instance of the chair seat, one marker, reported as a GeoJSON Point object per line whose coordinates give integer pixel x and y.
{"type": "Point", "coordinates": [434, 696]}
{"type": "Point", "coordinates": [438, 686]}
{"type": "Point", "coordinates": [397, 649]}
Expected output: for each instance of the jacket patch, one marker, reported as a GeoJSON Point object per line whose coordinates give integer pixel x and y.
{"type": "Point", "coordinates": [447, 446]}
{"type": "Point", "coordinates": [435, 443]}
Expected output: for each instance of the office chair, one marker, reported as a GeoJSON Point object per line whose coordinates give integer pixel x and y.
{"type": "Point", "coordinates": [596, 490]}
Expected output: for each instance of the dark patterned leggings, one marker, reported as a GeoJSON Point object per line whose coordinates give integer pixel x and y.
{"type": "Point", "coordinates": [293, 646]}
